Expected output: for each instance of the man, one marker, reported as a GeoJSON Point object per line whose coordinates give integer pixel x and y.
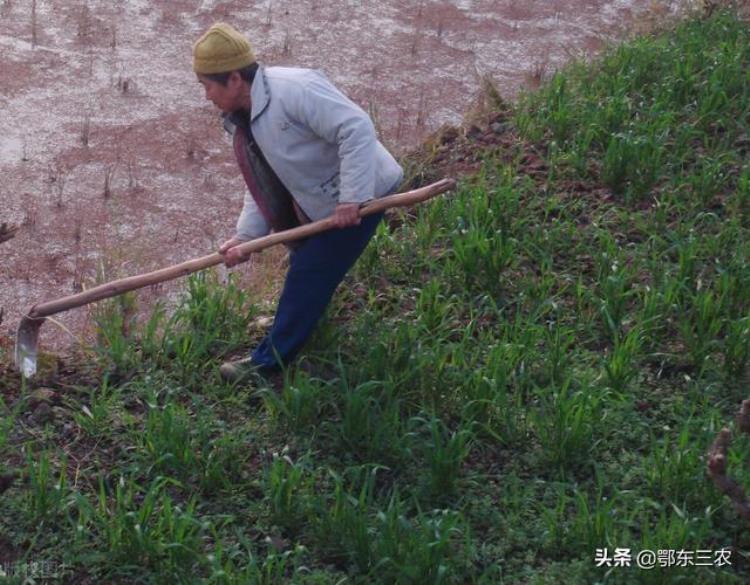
{"type": "Point", "coordinates": [306, 152]}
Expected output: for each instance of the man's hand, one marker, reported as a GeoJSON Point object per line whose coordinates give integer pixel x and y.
{"type": "Point", "coordinates": [346, 215]}
{"type": "Point", "coordinates": [230, 252]}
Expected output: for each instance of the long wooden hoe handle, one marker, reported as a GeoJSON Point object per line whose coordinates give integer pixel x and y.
{"type": "Point", "coordinates": [123, 285]}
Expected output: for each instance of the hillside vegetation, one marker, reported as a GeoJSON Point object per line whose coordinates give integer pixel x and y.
{"type": "Point", "coordinates": [515, 376]}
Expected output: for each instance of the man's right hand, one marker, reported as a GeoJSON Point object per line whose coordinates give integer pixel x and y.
{"type": "Point", "coordinates": [230, 252]}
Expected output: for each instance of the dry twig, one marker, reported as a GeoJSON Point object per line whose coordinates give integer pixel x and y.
{"type": "Point", "coordinates": [717, 463]}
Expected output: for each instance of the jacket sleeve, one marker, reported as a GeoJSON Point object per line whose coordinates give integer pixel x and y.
{"type": "Point", "coordinates": [251, 223]}
{"type": "Point", "coordinates": [338, 120]}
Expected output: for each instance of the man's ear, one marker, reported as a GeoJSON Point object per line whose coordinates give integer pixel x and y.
{"type": "Point", "coordinates": [234, 78]}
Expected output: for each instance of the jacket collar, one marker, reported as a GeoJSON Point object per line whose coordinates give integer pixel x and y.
{"type": "Point", "coordinates": [259, 94]}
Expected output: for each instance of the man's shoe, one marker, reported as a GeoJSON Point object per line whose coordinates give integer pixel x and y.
{"type": "Point", "coordinates": [238, 370]}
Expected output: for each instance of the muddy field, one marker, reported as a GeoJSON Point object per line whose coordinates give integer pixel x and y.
{"type": "Point", "coordinates": [112, 163]}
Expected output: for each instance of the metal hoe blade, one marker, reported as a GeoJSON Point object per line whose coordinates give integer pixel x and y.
{"type": "Point", "coordinates": [27, 337]}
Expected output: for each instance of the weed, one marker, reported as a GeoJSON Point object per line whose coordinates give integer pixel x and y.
{"type": "Point", "coordinates": [223, 462]}
{"type": "Point", "coordinates": [579, 523]}
{"type": "Point", "coordinates": [7, 421]}
{"type": "Point", "coordinates": [631, 165]}
{"type": "Point", "coordinates": [674, 472]}
{"type": "Point", "coordinates": [436, 313]}
{"type": "Point", "coordinates": [445, 454]}
{"type": "Point", "coordinates": [565, 425]}
{"type": "Point", "coordinates": [679, 532]}
{"type": "Point", "coordinates": [144, 530]}
{"type": "Point", "coordinates": [491, 405]}
{"type": "Point", "coordinates": [176, 442]}
{"type": "Point", "coordinates": [211, 320]}
{"type": "Point", "coordinates": [288, 487]}
{"type": "Point", "coordinates": [240, 563]}
{"type": "Point", "coordinates": [483, 243]}
{"type": "Point", "coordinates": [414, 549]}
{"type": "Point", "coordinates": [622, 363]}
{"type": "Point", "coordinates": [595, 522]}
{"type": "Point", "coordinates": [614, 285]}
{"type": "Point", "coordinates": [95, 418]}
{"type": "Point", "coordinates": [736, 347]}
{"type": "Point", "coordinates": [387, 545]}
{"type": "Point", "coordinates": [47, 489]}
{"type": "Point", "coordinates": [701, 325]}
{"type": "Point", "coordinates": [114, 320]}
{"type": "Point", "coordinates": [300, 403]}
{"type": "Point", "coordinates": [370, 427]}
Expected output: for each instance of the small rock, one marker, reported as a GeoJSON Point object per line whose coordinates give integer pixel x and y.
{"type": "Point", "coordinates": [473, 131]}
{"type": "Point", "coordinates": [43, 413]}
{"type": "Point", "coordinates": [498, 117]}
{"type": "Point", "coordinates": [59, 412]}
{"type": "Point", "coordinates": [278, 543]}
{"type": "Point", "coordinates": [6, 480]}
{"type": "Point", "coordinates": [262, 322]}
{"type": "Point", "coordinates": [449, 135]}
{"type": "Point", "coordinates": [499, 127]}
{"type": "Point", "coordinates": [43, 395]}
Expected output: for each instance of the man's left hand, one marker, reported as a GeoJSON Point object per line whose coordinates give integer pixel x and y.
{"type": "Point", "coordinates": [346, 215]}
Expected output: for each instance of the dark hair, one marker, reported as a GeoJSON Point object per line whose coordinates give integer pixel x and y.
{"type": "Point", "coordinates": [247, 74]}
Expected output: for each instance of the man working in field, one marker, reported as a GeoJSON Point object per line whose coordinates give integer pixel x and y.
{"type": "Point", "coordinates": [306, 152]}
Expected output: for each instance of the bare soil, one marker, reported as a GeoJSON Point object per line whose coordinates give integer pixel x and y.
{"type": "Point", "coordinates": [112, 162]}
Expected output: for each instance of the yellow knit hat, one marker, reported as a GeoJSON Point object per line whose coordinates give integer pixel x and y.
{"type": "Point", "coordinates": [221, 49]}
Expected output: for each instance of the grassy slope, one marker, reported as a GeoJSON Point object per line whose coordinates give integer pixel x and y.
{"type": "Point", "coordinates": [529, 370]}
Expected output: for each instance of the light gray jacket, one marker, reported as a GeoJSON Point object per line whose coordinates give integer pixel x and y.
{"type": "Point", "coordinates": [321, 145]}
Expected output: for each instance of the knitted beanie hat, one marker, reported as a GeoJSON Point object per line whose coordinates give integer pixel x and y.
{"type": "Point", "coordinates": [221, 49]}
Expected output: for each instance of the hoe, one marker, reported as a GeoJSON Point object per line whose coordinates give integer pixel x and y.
{"type": "Point", "coordinates": [28, 330]}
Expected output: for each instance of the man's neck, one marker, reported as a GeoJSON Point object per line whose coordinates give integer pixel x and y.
{"type": "Point", "coordinates": [247, 99]}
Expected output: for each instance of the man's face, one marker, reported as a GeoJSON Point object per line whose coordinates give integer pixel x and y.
{"type": "Point", "coordinates": [228, 98]}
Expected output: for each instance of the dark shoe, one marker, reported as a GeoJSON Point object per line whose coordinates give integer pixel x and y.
{"type": "Point", "coordinates": [238, 370]}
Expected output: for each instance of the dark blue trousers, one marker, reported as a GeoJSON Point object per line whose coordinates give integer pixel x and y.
{"type": "Point", "coordinates": [316, 268]}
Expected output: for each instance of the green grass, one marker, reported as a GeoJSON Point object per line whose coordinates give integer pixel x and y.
{"type": "Point", "coordinates": [530, 370]}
